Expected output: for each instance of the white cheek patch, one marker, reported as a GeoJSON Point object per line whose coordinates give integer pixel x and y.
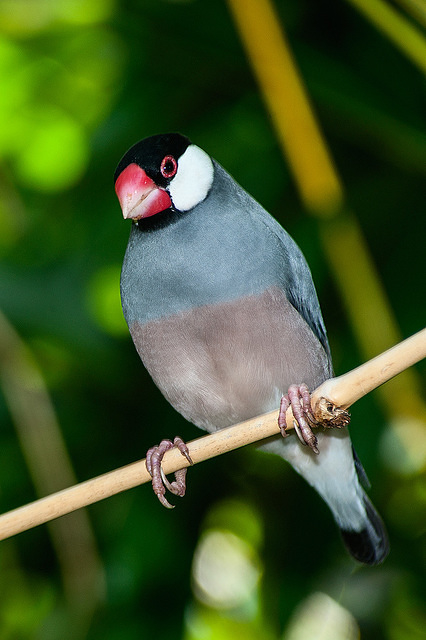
{"type": "Point", "coordinates": [193, 179]}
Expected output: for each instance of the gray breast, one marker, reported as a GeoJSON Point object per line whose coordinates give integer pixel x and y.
{"type": "Point", "coordinates": [223, 249]}
{"type": "Point", "coordinates": [222, 363]}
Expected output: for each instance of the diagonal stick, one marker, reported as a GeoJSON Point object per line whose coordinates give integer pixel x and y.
{"type": "Point", "coordinates": [327, 401]}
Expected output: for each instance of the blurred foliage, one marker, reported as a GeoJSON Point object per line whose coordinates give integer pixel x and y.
{"type": "Point", "coordinates": [82, 80]}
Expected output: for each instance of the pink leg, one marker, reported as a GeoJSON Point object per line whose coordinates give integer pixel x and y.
{"type": "Point", "coordinates": [300, 400]}
{"type": "Point", "coordinates": [154, 457]}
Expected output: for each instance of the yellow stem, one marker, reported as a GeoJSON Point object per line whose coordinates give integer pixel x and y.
{"type": "Point", "coordinates": [288, 104]}
{"type": "Point", "coordinates": [398, 29]}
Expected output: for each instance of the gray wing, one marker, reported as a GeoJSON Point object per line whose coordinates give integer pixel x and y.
{"type": "Point", "coordinates": [298, 284]}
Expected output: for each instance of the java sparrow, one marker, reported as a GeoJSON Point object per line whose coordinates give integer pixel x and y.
{"type": "Point", "coordinates": [223, 312]}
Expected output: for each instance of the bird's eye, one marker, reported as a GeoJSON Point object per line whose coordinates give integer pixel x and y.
{"type": "Point", "coordinates": [168, 167]}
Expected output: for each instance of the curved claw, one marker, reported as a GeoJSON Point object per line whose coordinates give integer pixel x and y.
{"type": "Point", "coordinates": [300, 400]}
{"type": "Point", "coordinates": [154, 457]}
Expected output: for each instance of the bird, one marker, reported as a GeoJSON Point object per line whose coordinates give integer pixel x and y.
{"type": "Point", "coordinates": [223, 312]}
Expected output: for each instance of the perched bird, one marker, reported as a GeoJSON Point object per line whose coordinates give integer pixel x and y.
{"type": "Point", "coordinates": [223, 312]}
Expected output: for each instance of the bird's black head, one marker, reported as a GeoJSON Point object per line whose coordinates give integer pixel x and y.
{"type": "Point", "coordinates": [156, 155]}
{"type": "Point", "coordinates": [162, 172]}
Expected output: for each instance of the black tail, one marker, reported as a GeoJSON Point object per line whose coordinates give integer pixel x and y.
{"type": "Point", "coordinates": [370, 545]}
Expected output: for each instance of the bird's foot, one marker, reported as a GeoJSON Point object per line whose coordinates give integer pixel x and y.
{"type": "Point", "coordinates": [299, 398]}
{"type": "Point", "coordinates": [154, 457]}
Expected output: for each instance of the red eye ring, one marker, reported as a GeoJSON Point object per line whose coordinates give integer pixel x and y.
{"type": "Point", "coordinates": [168, 167]}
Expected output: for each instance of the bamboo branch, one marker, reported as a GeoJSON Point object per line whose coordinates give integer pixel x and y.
{"type": "Point", "coordinates": [328, 401]}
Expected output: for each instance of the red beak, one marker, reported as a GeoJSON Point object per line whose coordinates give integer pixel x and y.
{"type": "Point", "coordinates": [138, 195]}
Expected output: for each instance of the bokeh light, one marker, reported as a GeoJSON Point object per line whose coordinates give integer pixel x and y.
{"type": "Point", "coordinates": [225, 571]}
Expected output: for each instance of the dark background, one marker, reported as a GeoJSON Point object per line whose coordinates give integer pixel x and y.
{"type": "Point", "coordinates": [80, 82]}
